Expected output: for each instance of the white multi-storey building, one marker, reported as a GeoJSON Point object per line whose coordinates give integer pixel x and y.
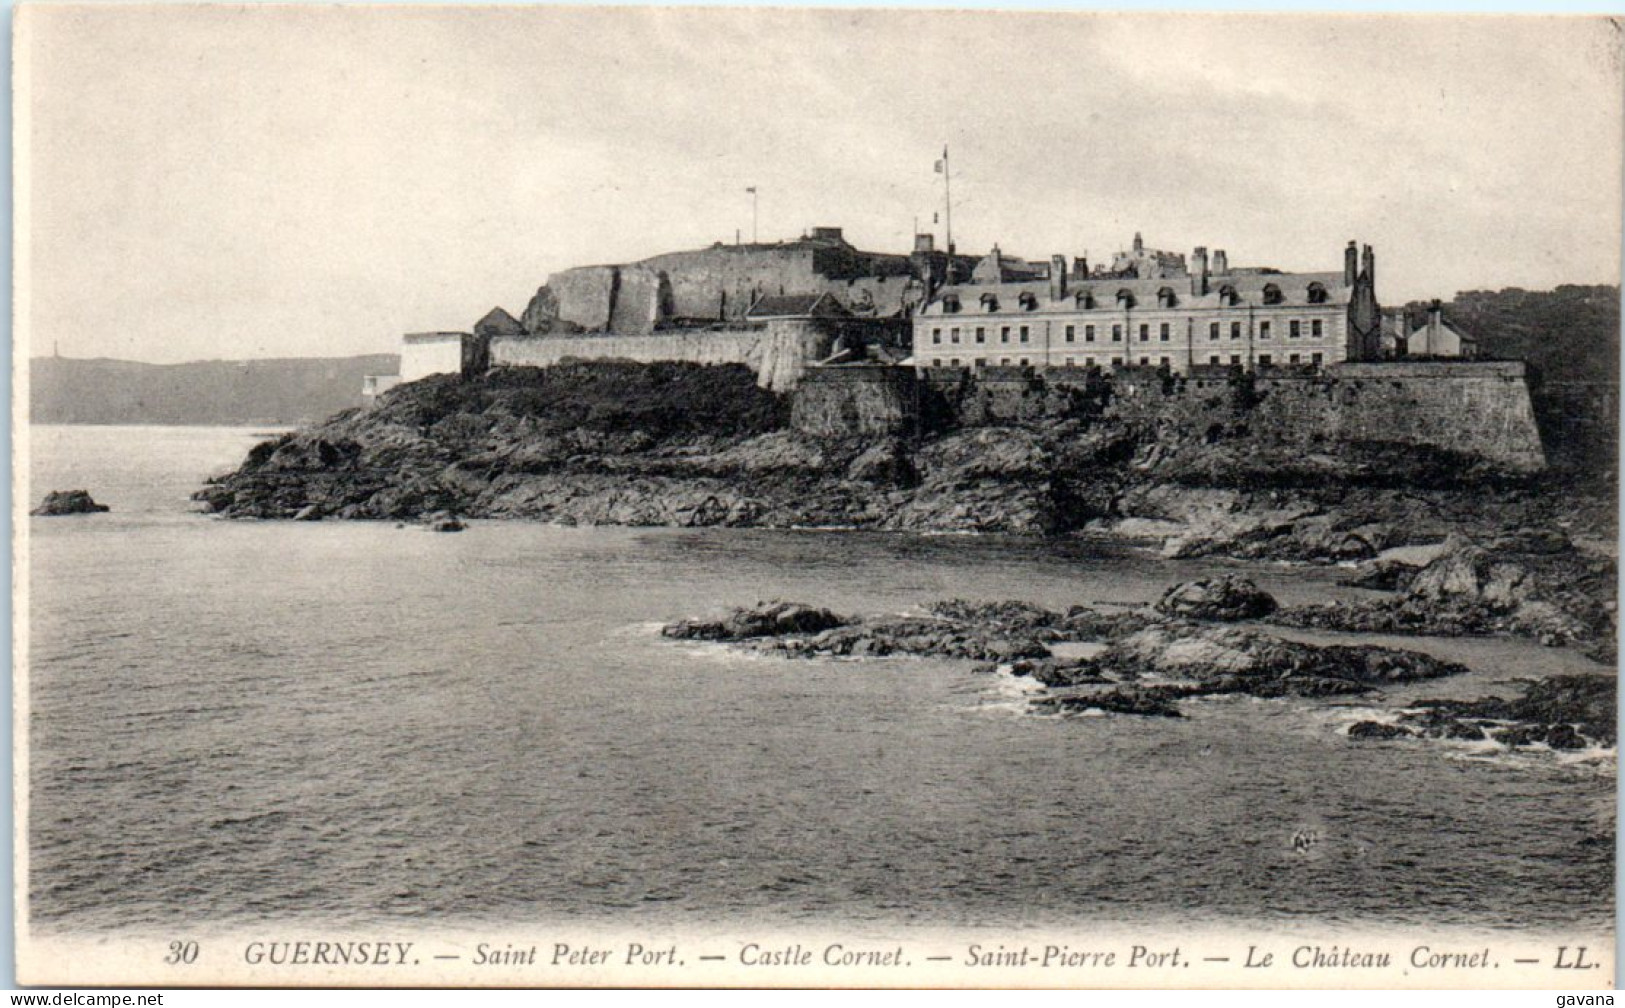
{"type": "Point", "coordinates": [1253, 318]}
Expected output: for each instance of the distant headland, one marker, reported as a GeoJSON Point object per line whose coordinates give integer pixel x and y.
{"type": "Point", "coordinates": [281, 392]}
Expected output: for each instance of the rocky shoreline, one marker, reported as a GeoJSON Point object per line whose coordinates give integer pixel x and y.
{"type": "Point", "coordinates": [1148, 662]}
{"type": "Point", "coordinates": [1449, 546]}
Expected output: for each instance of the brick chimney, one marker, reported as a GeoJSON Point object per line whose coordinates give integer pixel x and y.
{"type": "Point", "coordinates": [1368, 266]}
{"type": "Point", "coordinates": [1351, 264]}
{"type": "Point", "coordinates": [1199, 271]}
{"type": "Point", "coordinates": [1435, 326]}
{"type": "Point", "coordinates": [1221, 263]}
{"type": "Point", "coordinates": [1057, 277]}
{"type": "Point", "coordinates": [1080, 268]}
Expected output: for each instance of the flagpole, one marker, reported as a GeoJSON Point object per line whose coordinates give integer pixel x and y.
{"type": "Point", "coordinates": [948, 198]}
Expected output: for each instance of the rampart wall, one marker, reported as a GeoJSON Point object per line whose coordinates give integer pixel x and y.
{"type": "Point", "coordinates": [778, 351]}
{"type": "Point", "coordinates": [1476, 408]}
{"type": "Point", "coordinates": [874, 400]}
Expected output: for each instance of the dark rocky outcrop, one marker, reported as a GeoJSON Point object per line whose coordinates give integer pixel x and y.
{"type": "Point", "coordinates": [1549, 591]}
{"type": "Point", "coordinates": [443, 521]}
{"type": "Point", "coordinates": [765, 619]}
{"type": "Point", "coordinates": [1260, 663]}
{"type": "Point", "coordinates": [1228, 597]}
{"type": "Point", "coordinates": [919, 636]}
{"type": "Point", "coordinates": [68, 502]}
{"type": "Point", "coordinates": [998, 632]}
{"type": "Point", "coordinates": [1055, 672]}
{"type": "Point", "coordinates": [1146, 701]}
{"type": "Point", "coordinates": [1563, 712]}
{"type": "Point", "coordinates": [1150, 671]}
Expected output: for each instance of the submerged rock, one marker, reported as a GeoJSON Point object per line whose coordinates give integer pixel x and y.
{"type": "Point", "coordinates": [1227, 597]}
{"type": "Point", "coordinates": [1055, 672]}
{"type": "Point", "coordinates": [68, 502]}
{"type": "Point", "coordinates": [765, 619]}
{"type": "Point", "coordinates": [1378, 730]}
{"type": "Point", "coordinates": [1151, 701]}
{"type": "Point", "coordinates": [443, 521]}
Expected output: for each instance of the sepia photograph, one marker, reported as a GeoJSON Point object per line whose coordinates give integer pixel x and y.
{"type": "Point", "coordinates": [579, 496]}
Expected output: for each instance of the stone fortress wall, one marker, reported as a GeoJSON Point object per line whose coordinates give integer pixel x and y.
{"type": "Point", "coordinates": [778, 350]}
{"type": "Point", "coordinates": [777, 353]}
{"type": "Point", "coordinates": [1480, 408]}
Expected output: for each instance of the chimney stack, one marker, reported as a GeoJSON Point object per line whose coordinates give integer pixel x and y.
{"type": "Point", "coordinates": [1080, 268]}
{"type": "Point", "coordinates": [1221, 263]}
{"type": "Point", "coordinates": [1435, 322]}
{"type": "Point", "coordinates": [924, 243]}
{"type": "Point", "coordinates": [1199, 271]}
{"type": "Point", "coordinates": [1368, 266]}
{"type": "Point", "coordinates": [1057, 277]}
{"type": "Point", "coordinates": [1351, 264]}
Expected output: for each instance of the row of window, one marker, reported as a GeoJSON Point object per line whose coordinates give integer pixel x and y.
{"type": "Point", "coordinates": [1214, 360]}
{"type": "Point", "coordinates": [981, 335]}
{"type": "Point", "coordinates": [1164, 333]}
{"type": "Point", "coordinates": [1315, 293]}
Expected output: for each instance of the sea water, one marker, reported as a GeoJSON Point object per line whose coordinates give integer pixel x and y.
{"type": "Point", "coordinates": [354, 722]}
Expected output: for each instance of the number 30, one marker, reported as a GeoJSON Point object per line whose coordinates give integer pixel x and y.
{"type": "Point", "coordinates": [181, 953]}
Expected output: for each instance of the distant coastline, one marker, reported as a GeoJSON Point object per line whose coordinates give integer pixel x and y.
{"type": "Point", "coordinates": [272, 393]}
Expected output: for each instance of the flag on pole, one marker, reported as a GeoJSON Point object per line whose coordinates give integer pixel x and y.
{"type": "Point", "coordinates": [939, 166]}
{"type": "Point", "coordinates": [750, 189]}
{"type": "Point", "coordinates": [942, 163]}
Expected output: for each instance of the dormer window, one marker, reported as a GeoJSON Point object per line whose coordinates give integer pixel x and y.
{"type": "Point", "coordinates": [1227, 296]}
{"type": "Point", "coordinates": [1165, 298]}
{"type": "Point", "coordinates": [990, 302]}
{"type": "Point", "coordinates": [1085, 298]}
{"type": "Point", "coordinates": [1028, 301]}
{"type": "Point", "coordinates": [950, 303]}
{"type": "Point", "coordinates": [1272, 294]}
{"type": "Point", "coordinates": [1317, 293]}
{"type": "Point", "coordinates": [1125, 298]}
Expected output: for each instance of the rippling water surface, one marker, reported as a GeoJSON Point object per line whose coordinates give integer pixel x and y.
{"type": "Point", "coordinates": [237, 721]}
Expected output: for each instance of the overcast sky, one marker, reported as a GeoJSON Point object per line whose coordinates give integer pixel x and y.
{"type": "Point", "coordinates": [275, 181]}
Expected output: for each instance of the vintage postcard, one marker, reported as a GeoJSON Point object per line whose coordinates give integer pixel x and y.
{"type": "Point", "coordinates": [556, 496]}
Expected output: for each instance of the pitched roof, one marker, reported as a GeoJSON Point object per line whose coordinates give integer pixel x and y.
{"type": "Point", "coordinates": [1444, 326]}
{"type": "Point", "coordinates": [497, 322]}
{"type": "Point", "coordinates": [794, 306]}
{"type": "Point", "coordinates": [1249, 288]}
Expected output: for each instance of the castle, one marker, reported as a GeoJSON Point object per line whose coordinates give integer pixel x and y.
{"type": "Point", "coordinates": [775, 307]}
{"type": "Point", "coordinates": [782, 307]}
{"type": "Point", "coordinates": [866, 339]}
